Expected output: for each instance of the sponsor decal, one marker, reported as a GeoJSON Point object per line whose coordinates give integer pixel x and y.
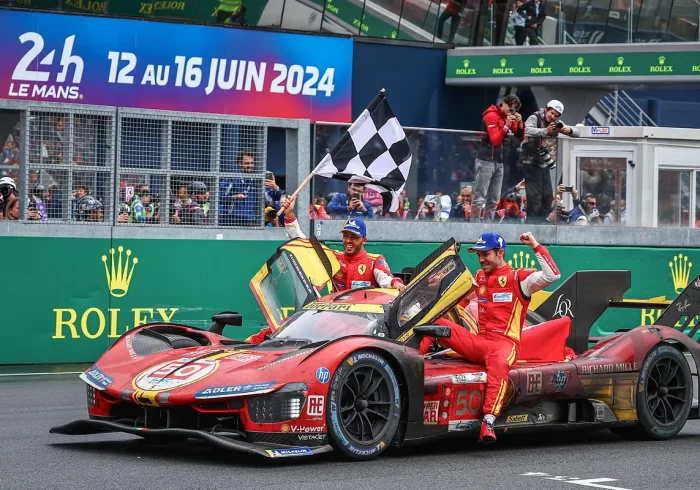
{"type": "Point", "coordinates": [468, 378]}
{"type": "Point", "coordinates": [560, 380]}
{"type": "Point", "coordinates": [600, 130]}
{"type": "Point", "coordinates": [98, 378]}
{"type": "Point", "coordinates": [283, 358]}
{"type": "Point", "coordinates": [244, 357]}
{"type": "Point", "coordinates": [291, 451]}
{"type": "Point", "coordinates": [362, 268]}
{"type": "Point", "coordinates": [174, 374]}
{"type": "Point", "coordinates": [541, 417]}
{"type": "Point", "coordinates": [533, 383]}
{"type": "Point", "coordinates": [502, 280]}
{"type": "Point", "coordinates": [563, 308]}
{"type": "Point", "coordinates": [459, 425]}
{"type": "Point", "coordinates": [302, 429]}
{"type": "Point", "coordinates": [359, 308]}
{"type": "Point", "coordinates": [128, 342]}
{"type": "Point", "coordinates": [516, 418]}
{"type": "Point", "coordinates": [502, 297]}
{"type": "Point", "coordinates": [234, 390]}
{"type": "Point", "coordinates": [311, 437]}
{"type": "Point", "coordinates": [323, 375]}
{"type": "Point", "coordinates": [482, 289]}
{"type": "Point", "coordinates": [314, 405]}
{"type": "Point", "coordinates": [430, 412]}
{"type": "Point", "coordinates": [360, 284]}
{"type": "Point", "coordinates": [609, 368]}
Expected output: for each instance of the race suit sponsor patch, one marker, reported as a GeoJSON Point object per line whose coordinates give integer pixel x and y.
{"type": "Point", "coordinates": [502, 297]}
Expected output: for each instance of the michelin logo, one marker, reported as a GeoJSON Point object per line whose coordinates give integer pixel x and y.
{"type": "Point", "coordinates": [292, 451]}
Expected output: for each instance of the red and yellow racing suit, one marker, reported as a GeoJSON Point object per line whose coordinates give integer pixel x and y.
{"type": "Point", "coordinates": [359, 270]}
{"type": "Point", "coordinates": [503, 297]}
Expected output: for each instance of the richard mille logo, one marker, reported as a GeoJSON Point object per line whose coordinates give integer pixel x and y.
{"type": "Point", "coordinates": [563, 307]}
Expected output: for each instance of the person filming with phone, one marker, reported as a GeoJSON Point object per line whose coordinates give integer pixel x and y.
{"type": "Point", "coordinates": [539, 150]}
{"type": "Point", "coordinates": [500, 122]}
{"type": "Point", "coordinates": [350, 204]}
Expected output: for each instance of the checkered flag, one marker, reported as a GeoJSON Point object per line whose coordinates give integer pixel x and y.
{"type": "Point", "coordinates": [373, 151]}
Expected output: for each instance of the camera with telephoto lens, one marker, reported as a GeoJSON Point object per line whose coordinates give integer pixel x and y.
{"type": "Point", "coordinates": [560, 125]}
{"type": "Point", "coordinates": [544, 158]}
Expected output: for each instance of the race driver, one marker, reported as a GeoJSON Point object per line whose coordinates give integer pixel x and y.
{"type": "Point", "coordinates": [358, 268]}
{"type": "Point", "coordinates": [503, 295]}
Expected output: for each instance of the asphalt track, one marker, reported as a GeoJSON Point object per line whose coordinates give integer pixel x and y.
{"type": "Point", "coordinates": [31, 458]}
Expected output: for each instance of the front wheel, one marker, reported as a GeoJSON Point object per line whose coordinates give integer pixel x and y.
{"type": "Point", "coordinates": [664, 396]}
{"type": "Point", "coordinates": [364, 406]}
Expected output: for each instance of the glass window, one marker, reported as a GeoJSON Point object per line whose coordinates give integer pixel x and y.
{"type": "Point", "coordinates": [269, 14]}
{"type": "Point", "coordinates": [651, 21]}
{"type": "Point", "coordinates": [343, 14]}
{"type": "Point", "coordinates": [303, 15]}
{"type": "Point", "coordinates": [603, 185]}
{"type": "Point", "coordinates": [683, 25]}
{"type": "Point", "coordinates": [381, 19]}
{"type": "Point", "coordinates": [673, 198]}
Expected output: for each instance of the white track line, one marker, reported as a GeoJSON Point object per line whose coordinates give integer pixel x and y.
{"type": "Point", "coordinates": [40, 374]}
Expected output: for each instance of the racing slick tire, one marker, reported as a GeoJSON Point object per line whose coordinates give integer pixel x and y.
{"type": "Point", "coordinates": [364, 406]}
{"type": "Point", "coordinates": [664, 396]}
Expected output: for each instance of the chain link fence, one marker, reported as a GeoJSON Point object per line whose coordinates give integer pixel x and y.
{"type": "Point", "coordinates": [68, 153]}
{"type": "Point", "coordinates": [190, 171]}
{"type": "Point", "coordinates": [133, 167]}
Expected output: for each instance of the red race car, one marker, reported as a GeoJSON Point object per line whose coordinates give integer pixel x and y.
{"type": "Point", "coordinates": [342, 372]}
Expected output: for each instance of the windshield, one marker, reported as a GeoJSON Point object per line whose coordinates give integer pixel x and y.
{"type": "Point", "coordinates": [284, 288]}
{"type": "Point", "coordinates": [317, 325]}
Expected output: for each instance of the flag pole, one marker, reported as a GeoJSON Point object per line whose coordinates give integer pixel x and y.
{"type": "Point", "coordinates": [309, 177]}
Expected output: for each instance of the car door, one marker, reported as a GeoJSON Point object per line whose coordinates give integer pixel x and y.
{"type": "Point", "coordinates": [438, 283]}
{"type": "Point", "coordinates": [299, 272]}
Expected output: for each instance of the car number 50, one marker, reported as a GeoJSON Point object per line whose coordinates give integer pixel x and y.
{"type": "Point", "coordinates": [297, 80]}
{"type": "Point", "coordinates": [468, 401]}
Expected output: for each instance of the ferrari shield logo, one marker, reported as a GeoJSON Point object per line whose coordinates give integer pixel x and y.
{"type": "Point", "coordinates": [362, 268]}
{"type": "Point", "coordinates": [502, 280]}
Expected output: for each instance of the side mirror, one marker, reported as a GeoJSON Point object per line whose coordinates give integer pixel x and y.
{"type": "Point", "coordinates": [225, 318]}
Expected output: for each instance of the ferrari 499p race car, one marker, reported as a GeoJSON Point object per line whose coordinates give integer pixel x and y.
{"type": "Point", "coordinates": [342, 371]}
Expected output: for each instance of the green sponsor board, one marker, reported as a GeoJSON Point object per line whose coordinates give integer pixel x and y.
{"type": "Point", "coordinates": [574, 65]}
{"type": "Point", "coordinates": [68, 305]}
{"type": "Point", "coordinates": [64, 303]}
{"type": "Point", "coordinates": [32, 4]}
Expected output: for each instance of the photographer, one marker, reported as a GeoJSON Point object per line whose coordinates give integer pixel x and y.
{"type": "Point", "coordinates": [540, 154]}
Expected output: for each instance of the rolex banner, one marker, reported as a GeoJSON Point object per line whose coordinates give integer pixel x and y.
{"type": "Point", "coordinates": [71, 298]}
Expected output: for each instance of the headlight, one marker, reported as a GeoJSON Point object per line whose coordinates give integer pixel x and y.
{"type": "Point", "coordinates": [90, 390]}
{"type": "Point", "coordinates": [282, 405]}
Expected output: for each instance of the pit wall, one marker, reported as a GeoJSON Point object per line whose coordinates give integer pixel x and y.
{"type": "Point", "coordinates": [63, 301]}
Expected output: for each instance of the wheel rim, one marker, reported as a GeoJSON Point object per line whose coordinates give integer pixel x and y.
{"type": "Point", "coordinates": [667, 393]}
{"type": "Point", "coordinates": [365, 405]}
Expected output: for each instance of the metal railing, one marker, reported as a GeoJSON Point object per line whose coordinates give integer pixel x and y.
{"type": "Point", "coordinates": [620, 109]}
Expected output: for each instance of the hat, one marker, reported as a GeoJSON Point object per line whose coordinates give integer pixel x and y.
{"type": "Point", "coordinates": [356, 226]}
{"type": "Point", "coordinates": [488, 241]}
{"type": "Point", "coordinates": [556, 105]}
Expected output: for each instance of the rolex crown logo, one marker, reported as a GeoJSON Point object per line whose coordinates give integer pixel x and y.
{"type": "Point", "coordinates": [540, 61]}
{"type": "Point", "coordinates": [119, 277]}
{"type": "Point", "coordinates": [503, 62]}
{"type": "Point", "coordinates": [662, 60]}
{"type": "Point", "coordinates": [579, 60]}
{"type": "Point", "coordinates": [465, 63]}
{"type": "Point", "coordinates": [620, 61]}
{"type": "Point", "coordinates": [521, 261]}
{"type": "Point", "coordinates": [680, 272]}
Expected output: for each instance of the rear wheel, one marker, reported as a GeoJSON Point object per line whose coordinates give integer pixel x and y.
{"type": "Point", "coordinates": [664, 396]}
{"type": "Point", "coordinates": [364, 406]}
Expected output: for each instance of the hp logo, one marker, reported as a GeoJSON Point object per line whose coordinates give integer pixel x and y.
{"type": "Point", "coordinates": [323, 375]}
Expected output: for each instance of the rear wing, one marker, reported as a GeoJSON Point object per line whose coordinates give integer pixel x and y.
{"type": "Point", "coordinates": [584, 297]}
{"type": "Point", "coordinates": [683, 313]}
